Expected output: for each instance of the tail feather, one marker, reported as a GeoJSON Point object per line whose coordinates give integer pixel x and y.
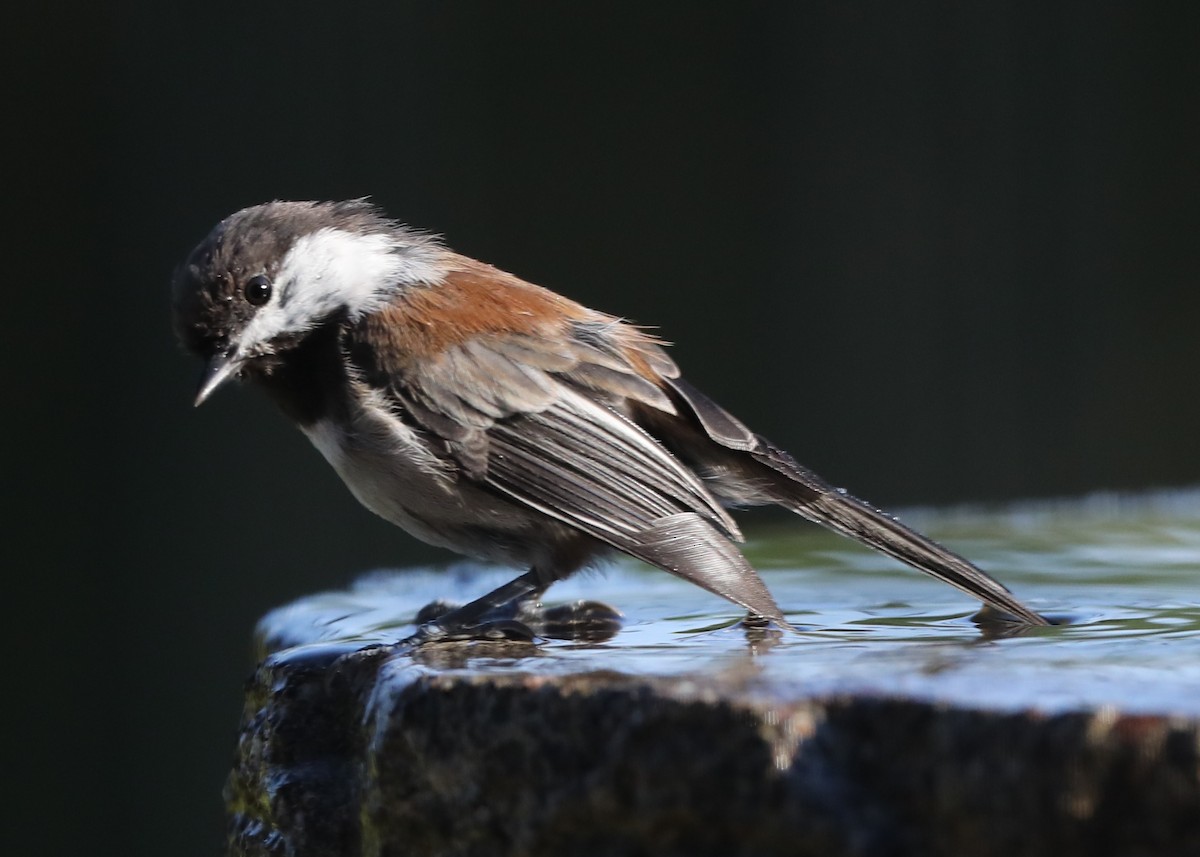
{"type": "Point", "coordinates": [811, 497]}
{"type": "Point", "coordinates": [751, 470]}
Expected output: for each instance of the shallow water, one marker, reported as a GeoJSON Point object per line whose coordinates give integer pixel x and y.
{"type": "Point", "coordinates": [1122, 575]}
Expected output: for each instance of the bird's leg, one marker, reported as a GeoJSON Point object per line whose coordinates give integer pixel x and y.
{"type": "Point", "coordinates": [489, 617]}
{"type": "Point", "coordinates": [580, 621]}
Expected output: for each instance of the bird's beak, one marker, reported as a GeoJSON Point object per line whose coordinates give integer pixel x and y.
{"type": "Point", "coordinates": [220, 368]}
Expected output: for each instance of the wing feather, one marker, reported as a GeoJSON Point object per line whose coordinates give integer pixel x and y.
{"type": "Point", "coordinates": [639, 481]}
{"type": "Point", "coordinates": [541, 416]}
{"type": "Point", "coordinates": [540, 419]}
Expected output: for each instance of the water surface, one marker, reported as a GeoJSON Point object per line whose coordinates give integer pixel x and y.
{"type": "Point", "coordinates": [1122, 575]}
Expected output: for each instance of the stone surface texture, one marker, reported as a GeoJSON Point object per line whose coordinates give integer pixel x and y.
{"type": "Point", "coordinates": [378, 751]}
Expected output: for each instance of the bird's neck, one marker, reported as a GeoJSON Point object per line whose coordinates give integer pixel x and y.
{"type": "Point", "coordinates": [309, 380]}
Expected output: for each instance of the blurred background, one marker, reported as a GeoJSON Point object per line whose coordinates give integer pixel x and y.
{"type": "Point", "coordinates": [942, 252]}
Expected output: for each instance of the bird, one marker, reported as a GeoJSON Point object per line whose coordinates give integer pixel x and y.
{"type": "Point", "coordinates": [499, 419]}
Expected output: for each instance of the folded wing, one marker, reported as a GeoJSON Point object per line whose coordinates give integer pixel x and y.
{"type": "Point", "coordinates": [542, 418]}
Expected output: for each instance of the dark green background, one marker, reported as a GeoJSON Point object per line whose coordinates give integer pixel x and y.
{"type": "Point", "coordinates": [941, 251]}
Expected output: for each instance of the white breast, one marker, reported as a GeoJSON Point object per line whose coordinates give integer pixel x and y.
{"type": "Point", "coordinates": [388, 468]}
{"type": "Point", "coordinates": [385, 466]}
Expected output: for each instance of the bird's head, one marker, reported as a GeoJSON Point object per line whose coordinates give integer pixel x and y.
{"type": "Point", "coordinates": [267, 276]}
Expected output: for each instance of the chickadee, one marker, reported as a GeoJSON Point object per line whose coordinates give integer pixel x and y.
{"type": "Point", "coordinates": [496, 418]}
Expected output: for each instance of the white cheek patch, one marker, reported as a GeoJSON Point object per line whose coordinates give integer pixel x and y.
{"type": "Point", "coordinates": [332, 269]}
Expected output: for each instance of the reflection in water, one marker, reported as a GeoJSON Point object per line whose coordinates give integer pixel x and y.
{"type": "Point", "coordinates": [1118, 576]}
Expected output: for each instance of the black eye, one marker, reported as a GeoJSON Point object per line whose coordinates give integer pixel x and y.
{"type": "Point", "coordinates": [257, 290]}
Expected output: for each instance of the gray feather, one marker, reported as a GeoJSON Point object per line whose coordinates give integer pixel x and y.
{"type": "Point", "coordinates": [718, 423]}
{"type": "Point", "coordinates": [625, 384]}
{"type": "Point", "coordinates": [688, 546]}
{"type": "Point", "coordinates": [587, 463]}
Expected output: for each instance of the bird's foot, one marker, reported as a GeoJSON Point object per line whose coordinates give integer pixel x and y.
{"type": "Point", "coordinates": [581, 621]}
{"type": "Point", "coordinates": [521, 621]}
{"type": "Point", "coordinates": [443, 622]}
